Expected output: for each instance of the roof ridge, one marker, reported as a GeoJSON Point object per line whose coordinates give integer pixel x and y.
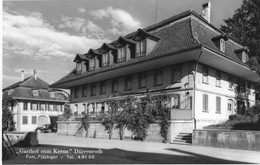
{"type": "Point", "coordinates": [29, 78]}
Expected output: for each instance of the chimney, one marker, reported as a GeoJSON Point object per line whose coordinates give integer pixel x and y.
{"type": "Point", "coordinates": [35, 74]}
{"type": "Point", "coordinates": [206, 11]}
{"type": "Point", "coordinates": [22, 75]}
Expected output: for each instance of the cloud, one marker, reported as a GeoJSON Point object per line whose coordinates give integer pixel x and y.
{"type": "Point", "coordinates": [29, 71]}
{"type": "Point", "coordinates": [31, 35]}
{"type": "Point", "coordinates": [92, 30]}
{"type": "Point", "coordinates": [81, 10]}
{"type": "Point", "coordinates": [122, 22]}
{"type": "Point", "coordinates": [14, 78]}
{"type": "Point", "coordinates": [86, 28]}
{"type": "Point", "coordinates": [75, 23]}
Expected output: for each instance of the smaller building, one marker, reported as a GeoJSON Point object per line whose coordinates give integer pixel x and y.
{"type": "Point", "coordinates": [33, 103]}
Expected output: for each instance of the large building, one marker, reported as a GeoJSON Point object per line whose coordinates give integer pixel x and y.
{"type": "Point", "coordinates": [204, 69]}
{"type": "Point", "coordinates": [33, 103]}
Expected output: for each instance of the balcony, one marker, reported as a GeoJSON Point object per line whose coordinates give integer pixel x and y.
{"type": "Point", "coordinates": [181, 114]}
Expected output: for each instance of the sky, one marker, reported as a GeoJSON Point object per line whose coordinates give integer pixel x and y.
{"type": "Point", "coordinates": [47, 34]}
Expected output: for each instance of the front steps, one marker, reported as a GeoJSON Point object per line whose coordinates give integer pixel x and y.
{"type": "Point", "coordinates": [183, 138]}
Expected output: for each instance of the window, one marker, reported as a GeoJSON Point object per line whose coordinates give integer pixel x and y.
{"type": "Point", "coordinates": [84, 91]}
{"type": "Point", "coordinates": [76, 92]}
{"type": "Point", "coordinates": [42, 108]}
{"type": "Point", "coordinates": [114, 85]}
{"type": "Point", "coordinates": [241, 85]}
{"type": "Point", "coordinates": [92, 64]}
{"type": "Point", "coordinates": [25, 106]}
{"type": "Point", "coordinates": [52, 94]}
{"type": "Point", "coordinates": [175, 102]}
{"type": "Point", "coordinates": [85, 108]}
{"type": "Point", "coordinates": [230, 105]}
{"type": "Point", "coordinates": [158, 77]}
{"type": "Point", "coordinates": [230, 83]}
{"type": "Point", "coordinates": [218, 78]}
{"type": "Point", "coordinates": [222, 45]}
{"type": "Point", "coordinates": [205, 73]}
{"type": "Point", "coordinates": [218, 104]}
{"type": "Point", "coordinates": [102, 87]}
{"type": "Point", "coordinates": [188, 102]}
{"type": "Point", "coordinates": [141, 48]}
{"type": "Point", "coordinates": [248, 87]}
{"type": "Point", "coordinates": [34, 120]}
{"type": "Point", "coordinates": [205, 102]}
{"type": "Point", "coordinates": [128, 83]}
{"type": "Point", "coordinates": [54, 107]}
{"type": "Point", "coordinates": [244, 57]}
{"type": "Point", "coordinates": [12, 106]}
{"type": "Point", "coordinates": [50, 107]}
{"type": "Point", "coordinates": [121, 54]}
{"type": "Point", "coordinates": [59, 108]}
{"type": "Point", "coordinates": [78, 67]}
{"type": "Point", "coordinates": [35, 92]}
{"type": "Point", "coordinates": [76, 108]}
{"type": "Point", "coordinates": [25, 119]}
{"type": "Point", "coordinates": [105, 59]}
{"type": "Point", "coordinates": [176, 73]}
{"type": "Point", "coordinates": [34, 106]}
{"type": "Point", "coordinates": [93, 89]}
{"type": "Point", "coordinates": [142, 80]}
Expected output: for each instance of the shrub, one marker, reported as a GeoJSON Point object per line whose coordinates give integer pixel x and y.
{"type": "Point", "coordinates": [7, 118]}
{"type": "Point", "coordinates": [140, 116]}
{"type": "Point", "coordinates": [254, 113]}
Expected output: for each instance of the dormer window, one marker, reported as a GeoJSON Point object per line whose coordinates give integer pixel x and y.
{"type": "Point", "coordinates": [105, 59]}
{"type": "Point", "coordinates": [220, 41]}
{"type": "Point", "coordinates": [222, 45]}
{"type": "Point", "coordinates": [142, 40]}
{"type": "Point", "coordinates": [78, 67]}
{"type": "Point", "coordinates": [35, 93]}
{"type": "Point", "coordinates": [141, 48]}
{"type": "Point", "coordinates": [121, 56]}
{"type": "Point", "coordinates": [92, 64]}
{"type": "Point", "coordinates": [242, 54]}
{"type": "Point", "coordinates": [52, 94]}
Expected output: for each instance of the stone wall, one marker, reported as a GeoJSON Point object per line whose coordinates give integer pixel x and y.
{"type": "Point", "coordinates": [235, 139]}
{"type": "Point", "coordinates": [97, 130]}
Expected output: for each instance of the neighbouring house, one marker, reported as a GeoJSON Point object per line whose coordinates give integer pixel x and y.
{"type": "Point", "coordinates": [33, 103]}
{"type": "Point", "coordinates": [185, 55]}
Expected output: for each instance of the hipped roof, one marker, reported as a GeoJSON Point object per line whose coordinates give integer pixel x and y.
{"type": "Point", "coordinates": [179, 33]}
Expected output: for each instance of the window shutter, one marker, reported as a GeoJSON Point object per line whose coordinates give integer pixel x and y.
{"type": "Point", "coordinates": [204, 102]}
{"type": "Point", "coordinates": [207, 102]}
{"type": "Point", "coordinates": [218, 104]}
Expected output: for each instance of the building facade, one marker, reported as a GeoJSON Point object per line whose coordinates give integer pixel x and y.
{"type": "Point", "coordinates": [33, 103]}
{"type": "Point", "coordinates": [183, 55]}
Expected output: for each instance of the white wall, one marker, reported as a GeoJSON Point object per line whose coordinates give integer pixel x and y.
{"type": "Point", "coordinates": [211, 117]}
{"type": "Point", "coordinates": [18, 117]}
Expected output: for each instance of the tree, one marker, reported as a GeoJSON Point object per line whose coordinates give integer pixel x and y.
{"type": "Point", "coordinates": [7, 118]}
{"type": "Point", "coordinates": [244, 27]}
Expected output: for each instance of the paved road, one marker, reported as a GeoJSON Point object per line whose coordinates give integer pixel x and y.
{"type": "Point", "coordinates": [149, 152]}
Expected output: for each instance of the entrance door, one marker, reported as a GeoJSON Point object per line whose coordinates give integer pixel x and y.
{"type": "Point", "coordinates": [43, 120]}
{"type": "Point", "coordinates": [241, 107]}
